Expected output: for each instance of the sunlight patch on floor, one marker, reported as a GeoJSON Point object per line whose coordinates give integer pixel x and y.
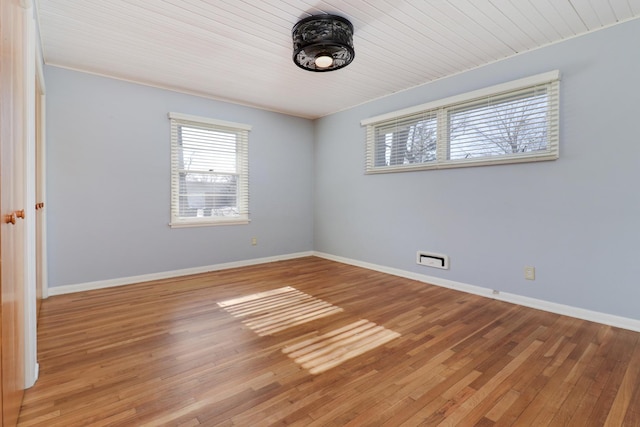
{"type": "Point", "coordinates": [329, 350]}
{"type": "Point", "coordinates": [278, 309]}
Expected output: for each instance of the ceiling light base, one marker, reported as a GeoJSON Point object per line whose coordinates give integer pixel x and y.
{"type": "Point", "coordinates": [323, 43]}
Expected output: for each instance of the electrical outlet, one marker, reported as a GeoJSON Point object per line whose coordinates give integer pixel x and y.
{"type": "Point", "coordinates": [254, 241]}
{"type": "Point", "coordinates": [530, 273]}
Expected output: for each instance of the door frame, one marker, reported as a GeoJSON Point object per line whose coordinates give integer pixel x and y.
{"type": "Point", "coordinates": [41, 172]}
{"type": "Point", "coordinates": [30, 77]}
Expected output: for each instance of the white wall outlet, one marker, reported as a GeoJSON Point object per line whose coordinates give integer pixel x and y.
{"type": "Point", "coordinates": [254, 241]}
{"type": "Point", "coordinates": [530, 273]}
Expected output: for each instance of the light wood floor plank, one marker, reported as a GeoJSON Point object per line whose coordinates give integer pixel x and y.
{"type": "Point", "coordinates": [620, 408]}
{"type": "Point", "coordinates": [229, 348]}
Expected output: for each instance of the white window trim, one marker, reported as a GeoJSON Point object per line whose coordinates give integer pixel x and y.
{"type": "Point", "coordinates": [179, 118]}
{"type": "Point", "coordinates": [209, 121]}
{"type": "Point", "coordinates": [196, 222]}
{"type": "Point", "coordinates": [552, 153]}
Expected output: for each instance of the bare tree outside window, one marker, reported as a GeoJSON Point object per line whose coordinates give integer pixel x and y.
{"type": "Point", "coordinates": [408, 144]}
{"type": "Point", "coordinates": [504, 128]}
{"type": "Point", "coordinates": [421, 142]}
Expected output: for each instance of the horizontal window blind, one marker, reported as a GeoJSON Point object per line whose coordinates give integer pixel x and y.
{"type": "Point", "coordinates": [517, 123]}
{"type": "Point", "coordinates": [209, 171]}
{"type": "Point", "coordinates": [404, 141]}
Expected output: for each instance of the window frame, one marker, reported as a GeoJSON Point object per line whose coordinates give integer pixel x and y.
{"type": "Point", "coordinates": [440, 108]}
{"type": "Point", "coordinates": [242, 169]}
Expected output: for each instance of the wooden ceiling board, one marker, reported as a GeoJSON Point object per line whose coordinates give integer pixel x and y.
{"type": "Point", "coordinates": [241, 50]}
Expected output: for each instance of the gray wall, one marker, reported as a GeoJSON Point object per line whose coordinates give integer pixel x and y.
{"type": "Point", "coordinates": [108, 182]}
{"type": "Point", "coordinates": [575, 219]}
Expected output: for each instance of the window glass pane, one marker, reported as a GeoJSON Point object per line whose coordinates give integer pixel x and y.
{"type": "Point", "coordinates": [208, 195]}
{"type": "Point", "coordinates": [511, 122]}
{"type": "Point", "coordinates": [407, 141]}
{"type": "Point", "coordinates": [510, 125]}
{"type": "Point", "coordinates": [209, 173]}
{"type": "Point", "coordinates": [204, 190]}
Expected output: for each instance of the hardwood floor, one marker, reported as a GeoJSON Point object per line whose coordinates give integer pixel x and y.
{"type": "Point", "coordinates": [237, 348]}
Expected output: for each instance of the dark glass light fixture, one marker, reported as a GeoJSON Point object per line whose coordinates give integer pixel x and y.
{"type": "Point", "coordinates": [323, 43]}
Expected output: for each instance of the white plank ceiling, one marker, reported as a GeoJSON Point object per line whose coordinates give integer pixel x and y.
{"type": "Point", "coordinates": [240, 50]}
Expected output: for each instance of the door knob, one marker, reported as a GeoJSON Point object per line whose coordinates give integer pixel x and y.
{"type": "Point", "coordinates": [20, 213]}
{"type": "Point", "coordinates": [10, 218]}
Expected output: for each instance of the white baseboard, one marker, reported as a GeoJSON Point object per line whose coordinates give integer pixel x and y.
{"type": "Point", "coordinates": [121, 281]}
{"type": "Point", "coordinates": [567, 310]}
{"type": "Point", "coordinates": [31, 381]}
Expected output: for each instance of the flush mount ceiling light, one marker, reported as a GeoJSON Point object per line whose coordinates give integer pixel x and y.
{"type": "Point", "coordinates": [323, 43]}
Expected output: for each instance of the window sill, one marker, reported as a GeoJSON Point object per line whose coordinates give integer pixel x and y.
{"type": "Point", "coordinates": [185, 224]}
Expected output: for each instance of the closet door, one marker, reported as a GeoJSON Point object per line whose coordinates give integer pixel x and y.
{"type": "Point", "coordinates": [12, 209]}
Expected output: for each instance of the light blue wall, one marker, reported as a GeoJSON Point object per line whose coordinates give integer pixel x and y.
{"type": "Point", "coordinates": [577, 219]}
{"type": "Point", "coordinates": [108, 182]}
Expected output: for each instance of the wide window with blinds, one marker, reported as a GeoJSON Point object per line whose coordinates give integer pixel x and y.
{"type": "Point", "coordinates": [508, 123]}
{"type": "Point", "coordinates": [209, 171]}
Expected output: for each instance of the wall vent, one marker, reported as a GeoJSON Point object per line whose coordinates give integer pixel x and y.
{"type": "Point", "coordinates": [432, 259]}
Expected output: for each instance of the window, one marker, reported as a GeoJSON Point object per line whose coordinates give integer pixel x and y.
{"type": "Point", "coordinates": [508, 123]}
{"type": "Point", "coordinates": [209, 171]}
